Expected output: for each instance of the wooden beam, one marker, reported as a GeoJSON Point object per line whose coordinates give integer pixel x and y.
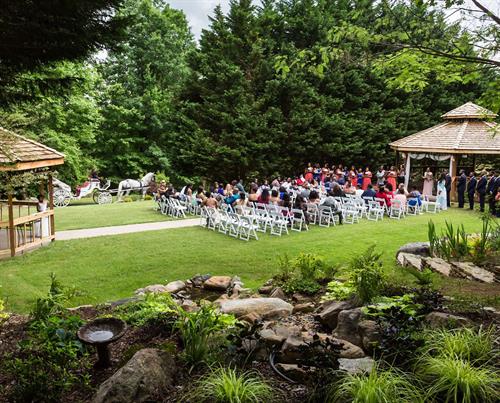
{"type": "Point", "coordinates": [407, 171]}
{"type": "Point", "coordinates": [12, 231]}
{"type": "Point", "coordinates": [26, 166]}
{"type": "Point", "coordinates": [51, 207]}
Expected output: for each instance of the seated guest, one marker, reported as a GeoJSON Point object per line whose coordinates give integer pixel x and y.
{"type": "Point", "coordinates": [162, 189]}
{"type": "Point", "coordinates": [389, 190]}
{"type": "Point", "coordinates": [275, 197]}
{"type": "Point", "coordinates": [369, 192]}
{"type": "Point", "coordinates": [200, 195]}
{"type": "Point", "coordinates": [402, 190]}
{"type": "Point", "coordinates": [359, 192]}
{"type": "Point", "coordinates": [414, 197]}
{"type": "Point", "coordinates": [242, 201]}
{"type": "Point", "coordinates": [231, 200]}
{"type": "Point", "coordinates": [264, 196]}
{"type": "Point", "coordinates": [382, 194]}
{"type": "Point", "coordinates": [314, 197]}
{"type": "Point", "coordinates": [287, 201]}
{"type": "Point", "coordinates": [400, 195]}
{"type": "Point", "coordinates": [282, 191]}
{"type": "Point", "coordinates": [253, 197]}
{"type": "Point", "coordinates": [220, 190]}
{"type": "Point", "coordinates": [331, 203]}
{"type": "Point", "coordinates": [210, 200]}
{"type": "Point", "coordinates": [337, 191]}
{"type": "Point", "coordinates": [300, 204]}
{"type": "Point", "coordinates": [348, 189]}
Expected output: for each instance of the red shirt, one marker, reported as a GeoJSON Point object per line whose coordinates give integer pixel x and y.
{"type": "Point", "coordinates": [385, 196]}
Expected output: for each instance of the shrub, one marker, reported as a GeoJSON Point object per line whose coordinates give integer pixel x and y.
{"type": "Point", "coordinates": [199, 331]}
{"type": "Point", "coordinates": [452, 379]}
{"type": "Point", "coordinates": [128, 199]}
{"type": "Point", "coordinates": [338, 291]}
{"type": "Point", "coordinates": [475, 346]}
{"type": "Point", "coordinates": [226, 385]}
{"type": "Point", "coordinates": [423, 278]}
{"type": "Point", "coordinates": [366, 274]}
{"type": "Point", "coordinates": [154, 309]}
{"type": "Point", "coordinates": [378, 386]}
{"type": "Point", "coordinates": [3, 315]}
{"type": "Point", "coordinates": [148, 197]}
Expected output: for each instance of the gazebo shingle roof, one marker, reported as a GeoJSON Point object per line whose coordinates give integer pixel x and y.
{"type": "Point", "coordinates": [18, 153]}
{"type": "Point", "coordinates": [463, 132]}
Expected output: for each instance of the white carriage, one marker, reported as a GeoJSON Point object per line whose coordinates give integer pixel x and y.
{"type": "Point", "coordinates": [100, 193]}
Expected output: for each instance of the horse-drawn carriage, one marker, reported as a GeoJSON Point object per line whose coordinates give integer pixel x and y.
{"type": "Point", "coordinates": [101, 194]}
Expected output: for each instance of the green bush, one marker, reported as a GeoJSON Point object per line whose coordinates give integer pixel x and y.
{"type": "Point", "coordinates": [389, 386]}
{"type": "Point", "coordinates": [3, 315]}
{"type": "Point", "coordinates": [226, 385]}
{"type": "Point", "coordinates": [148, 197]}
{"type": "Point", "coordinates": [128, 199]}
{"type": "Point", "coordinates": [367, 275]}
{"type": "Point", "coordinates": [157, 309]}
{"type": "Point", "coordinates": [199, 331]}
{"type": "Point", "coordinates": [338, 291]}
{"type": "Point", "coordinates": [452, 379]}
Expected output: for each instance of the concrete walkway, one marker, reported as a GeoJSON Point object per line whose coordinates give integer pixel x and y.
{"type": "Point", "coordinates": [125, 229]}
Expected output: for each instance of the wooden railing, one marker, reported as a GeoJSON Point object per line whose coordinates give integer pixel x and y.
{"type": "Point", "coordinates": [22, 228]}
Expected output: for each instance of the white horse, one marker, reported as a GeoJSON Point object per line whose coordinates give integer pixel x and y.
{"type": "Point", "coordinates": [128, 185]}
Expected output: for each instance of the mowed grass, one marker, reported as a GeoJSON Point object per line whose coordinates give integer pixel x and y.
{"type": "Point", "coordinates": [80, 216]}
{"type": "Point", "coordinates": [110, 268]}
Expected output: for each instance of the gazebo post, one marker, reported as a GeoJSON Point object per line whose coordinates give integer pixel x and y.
{"type": "Point", "coordinates": [407, 171]}
{"type": "Point", "coordinates": [453, 174]}
{"type": "Point", "coordinates": [51, 207]}
{"type": "Point", "coordinates": [12, 232]}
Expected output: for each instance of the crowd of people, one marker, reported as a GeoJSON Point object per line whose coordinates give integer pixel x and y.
{"type": "Point", "coordinates": [337, 181]}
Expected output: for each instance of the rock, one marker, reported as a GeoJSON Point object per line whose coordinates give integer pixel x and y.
{"type": "Point", "coordinates": [407, 259]}
{"type": "Point", "coordinates": [438, 265]}
{"type": "Point", "coordinates": [299, 298]}
{"type": "Point", "coordinates": [303, 308]}
{"type": "Point", "coordinates": [356, 365]}
{"type": "Point", "coordinates": [473, 272]}
{"type": "Point", "coordinates": [492, 312]}
{"type": "Point", "coordinates": [236, 281]}
{"type": "Point", "coordinates": [347, 326]}
{"type": "Point", "coordinates": [266, 289]}
{"type": "Point", "coordinates": [265, 308]}
{"type": "Point", "coordinates": [146, 377]}
{"type": "Point", "coordinates": [275, 335]}
{"type": "Point", "coordinates": [369, 332]}
{"type": "Point", "coordinates": [218, 283]}
{"type": "Point", "coordinates": [349, 350]}
{"type": "Point", "coordinates": [199, 279]}
{"type": "Point", "coordinates": [189, 306]}
{"type": "Point", "coordinates": [330, 312]}
{"type": "Point", "coordinates": [155, 289]}
{"type": "Point", "coordinates": [251, 318]}
{"type": "Point", "coordinates": [290, 351]}
{"type": "Point", "coordinates": [175, 286]}
{"type": "Point", "coordinates": [442, 319]}
{"type": "Point", "coordinates": [278, 293]}
{"type": "Point", "coordinates": [415, 248]}
{"type": "Point", "coordinates": [294, 372]}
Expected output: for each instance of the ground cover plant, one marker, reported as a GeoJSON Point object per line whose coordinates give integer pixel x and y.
{"type": "Point", "coordinates": [110, 268]}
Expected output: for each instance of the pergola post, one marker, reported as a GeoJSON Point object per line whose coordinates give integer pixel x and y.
{"type": "Point", "coordinates": [453, 174]}
{"type": "Point", "coordinates": [12, 232]}
{"type": "Point", "coordinates": [407, 171]}
{"type": "Point", "coordinates": [51, 207]}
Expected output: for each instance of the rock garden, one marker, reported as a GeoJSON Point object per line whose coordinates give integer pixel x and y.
{"type": "Point", "coordinates": [312, 332]}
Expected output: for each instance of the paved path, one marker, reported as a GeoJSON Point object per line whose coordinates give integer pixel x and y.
{"type": "Point", "coordinates": [125, 229]}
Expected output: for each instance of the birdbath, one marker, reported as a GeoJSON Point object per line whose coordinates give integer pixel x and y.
{"type": "Point", "coordinates": [100, 333]}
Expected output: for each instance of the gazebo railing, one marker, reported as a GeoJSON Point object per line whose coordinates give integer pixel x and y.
{"type": "Point", "coordinates": [26, 229]}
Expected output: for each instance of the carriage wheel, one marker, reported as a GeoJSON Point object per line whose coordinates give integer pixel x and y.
{"type": "Point", "coordinates": [95, 196]}
{"type": "Point", "coordinates": [104, 198]}
{"type": "Point", "coordinates": [61, 198]}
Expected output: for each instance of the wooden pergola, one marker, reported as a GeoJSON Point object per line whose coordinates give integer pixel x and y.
{"type": "Point", "coordinates": [468, 130]}
{"type": "Point", "coordinates": [22, 227]}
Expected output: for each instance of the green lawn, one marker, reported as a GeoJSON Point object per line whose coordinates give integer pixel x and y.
{"type": "Point", "coordinates": [109, 268]}
{"type": "Point", "coordinates": [79, 215]}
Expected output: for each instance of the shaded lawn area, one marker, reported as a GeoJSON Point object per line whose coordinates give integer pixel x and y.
{"type": "Point", "coordinates": [110, 268]}
{"type": "Point", "coordinates": [80, 216]}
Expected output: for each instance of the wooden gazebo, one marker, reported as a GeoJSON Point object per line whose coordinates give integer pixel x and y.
{"type": "Point", "coordinates": [467, 131]}
{"type": "Point", "coordinates": [22, 227]}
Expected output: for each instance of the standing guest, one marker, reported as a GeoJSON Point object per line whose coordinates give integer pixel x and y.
{"type": "Point", "coordinates": [481, 190]}
{"type": "Point", "coordinates": [41, 205]}
{"type": "Point", "coordinates": [401, 174]}
{"type": "Point", "coordinates": [353, 177]}
{"type": "Point", "coordinates": [491, 190]}
{"type": "Point", "coordinates": [317, 173]}
{"type": "Point", "coordinates": [471, 189]}
{"type": "Point", "coordinates": [360, 178]}
{"type": "Point", "coordinates": [441, 192]}
{"type": "Point", "coordinates": [380, 176]}
{"type": "Point", "coordinates": [367, 178]}
{"type": "Point", "coordinates": [391, 177]}
{"type": "Point", "coordinates": [325, 172]}
{"type": "Point", "coordinates": [428, 182]}
{"type": "Point", "coordinates": [275, 183]}
{"type": "Point", "coordinates": [447, 184]}
{"type": "Point", "coordinates": [461, 186]}
{"type": "Point", "coordinates": [309, 176]}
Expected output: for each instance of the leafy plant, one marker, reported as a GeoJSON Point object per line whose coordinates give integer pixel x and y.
{"type": "Point", "coordinates": [198, 331]}
{"type": "Point", "coordinates": [433, 238]}
{"type": "Point", "coordinates": [155, 308]}
{"type": "Point", "coordinates": [338, 291]}
{"type": "Point", "coordinates": [452, 379]}
{"type": "Point", "coordinates": [366, 274]}
{"type": "Point", "coordinates": [301, 285]}
{"type": "Point", "coordinates": [3, 315]}
{"type": "Point", "coordinates": [379, 385]}
{"type": "Point", "coordinates": [226, 385]}
{"type": "Point", "coordinates": [423, 278]}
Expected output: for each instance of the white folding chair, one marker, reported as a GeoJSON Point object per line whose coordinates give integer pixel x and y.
{"type": "Point", "coordinates": [313, 212]}
{"type": "Point", "coordinates": [375, 211]}
{"type": "Point", "coordinates": [279, 223]}
{"type": "Point", "coordinates": [396, 211]}
{"type": "Point", "coordinates": [298, 220]}
{"type": "Point", "coordinates": [248, 228]}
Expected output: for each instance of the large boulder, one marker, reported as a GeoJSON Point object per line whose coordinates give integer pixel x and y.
{"type": "Point", "coordinates": [370, 335]}
{"type": "Point", "coordinates": [347, 326]}
{"type": "Point", "coordinates": [472, 272]}
{"type": "Point", "coordinates": [330, 312]}
{"type": "Point", "coordinates": [278, 293]}
{"type": "Point", "coordinates": [438, 265]}
{"type": "Point", "coordinates": [415, 248]}
{"type": "Point", "coordinates": [175, 286]}
{"type": "Point", "coordinates": [410, 260]}
{"type": "Point", "coordinates": [146, 377]}
{"type": "Point", "coordinates": [218, 283]}
{"type": "Point", "coordinates": [154, 289]}
{"type": "Point", "coordinates": [265, 308]}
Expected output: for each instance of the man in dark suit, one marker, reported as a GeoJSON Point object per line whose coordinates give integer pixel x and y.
{"type": "Point", "coordinates": [489, 191]}
{"type": "Point", "coordinates": [481, 190]}
{"type": "Point", "coordinates": [471, 189]}
{"type": "Point", "coordinates": [461, 185]}
{"type": "Point", "coordinates": [447, 185]}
